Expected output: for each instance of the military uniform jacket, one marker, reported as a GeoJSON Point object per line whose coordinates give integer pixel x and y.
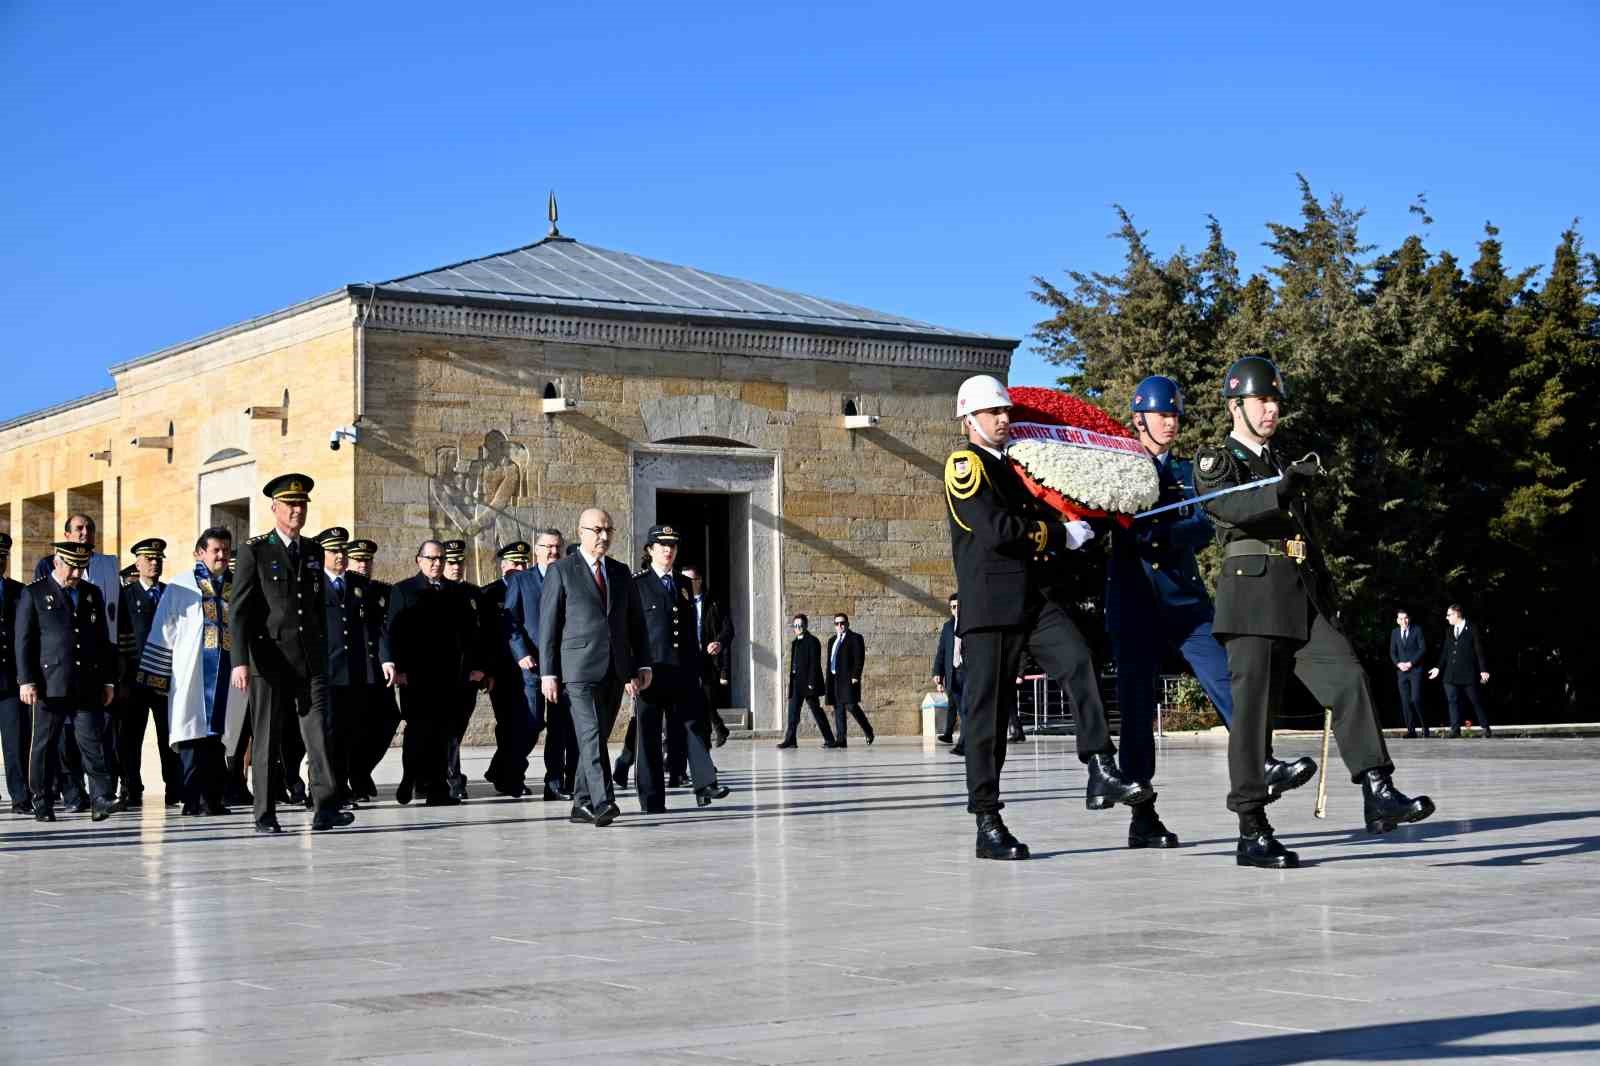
{"type": "Point", "coordinates": [1152, 563]}
{"type": "Point", "coordinates": [477, 647]}
{"type": "Point", "coordinates": [376, 611]}
{"type": "Point", "coordinates": [63, 649]}
{"type": "Point", "coordinates": [352, 652]}
{"type": "Point", "coordinates": [668, 621]}
{"type": "Point", "coordinates": [1260, 595]}
{"type": "Point", "coordinates": [845, 682]}
{"type": "Point", "coordinates": [1461, 659]}
{"type": "Point", "coordinates": [805, 666]}
{"type": "Point", "coordinates": [10, 598]}
{"type": "Point", "coordinates": [137, 611]}
{"type": "Point", "coordinates": [1005, 542]}
{"type": "Point", "coordinates": [497, 655]}
{"type": "Point", "coordinates": [277, 617]}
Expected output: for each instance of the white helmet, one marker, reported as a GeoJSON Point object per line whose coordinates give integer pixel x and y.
{"type": "Point", "coordinates": [981, 393]}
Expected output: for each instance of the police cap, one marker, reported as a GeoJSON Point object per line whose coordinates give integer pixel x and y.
{"type": "Point", "coordinates": [151, 548]}
{"type": "Point", "coordinates": [661, 535]}
{"type": "Point", "coordinates": [334, 539]}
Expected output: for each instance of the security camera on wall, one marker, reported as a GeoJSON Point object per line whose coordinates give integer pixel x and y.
{"type": "Point", "coordinates": [343, 433]}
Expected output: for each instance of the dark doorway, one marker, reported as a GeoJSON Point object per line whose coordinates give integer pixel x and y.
{"type": "Point", "coordinates": [702, 522]}
{"type": "Point", "coordinates": [234, 516]}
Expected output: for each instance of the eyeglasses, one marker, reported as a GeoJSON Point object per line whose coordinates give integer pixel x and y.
{"type": "Point", "coordinates": [429, 558]}
{"type": "Point", "coordinates": [597, 530]}
{"type": "Point", "coordinates": [837, 622]}
{"type": "Point", "coordinates": [796, 625]}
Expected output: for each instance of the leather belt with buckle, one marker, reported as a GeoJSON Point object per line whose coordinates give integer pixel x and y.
{"type": "Point", "coordinates": [1294, 548]}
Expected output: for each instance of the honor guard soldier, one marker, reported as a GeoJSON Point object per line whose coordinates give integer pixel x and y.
{"type": "Point", "coordinates": [352, 655]}
{"type": "Point", "coordinates": [516, 724]}
{"type": "Point", "coordinates": [138, 601]}
{"type": "Point", "coordinates": [376, 732]}
{"type": "Point", "coordinates": [1157, 605]}
{"type": "Point", "coordinates": [16, 718]}
{"type": "Point", "coordinates": [1275, 616]}
{"type": "Point", "coordinates": [1008, 550]}
{"type": "Point", "coordinates": [278, 628]}
{"type": "Point", "coordinates": [674, 696]}
{"type": "Point", "coordinates": [455, 570]}
{"type": "Point", "coordinates": [67, 670]}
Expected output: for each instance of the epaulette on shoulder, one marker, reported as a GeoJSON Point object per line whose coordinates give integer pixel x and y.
{"type": "Point", "coordinates": [38, 581]}
{"type": "Point", "coordinates": [963, 472]}
{"type": "Point", "coordinates": [260, 538]}
{"type": "Point", "coordinates": [1213, 465]}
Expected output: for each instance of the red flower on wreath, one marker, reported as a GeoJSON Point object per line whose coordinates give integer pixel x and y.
{"type": "Point", "coordinates": [1051, 408]}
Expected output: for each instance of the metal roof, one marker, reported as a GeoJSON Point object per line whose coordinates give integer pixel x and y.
{"type": "Point", "coordinates": [559, 272]}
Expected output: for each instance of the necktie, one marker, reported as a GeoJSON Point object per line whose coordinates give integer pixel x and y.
{"type": "Point", "coordinates": [957, 657]}
{"type": "Point", "coordinates": [666, 583]}
{"type": "Point", "coordinates": [833, 660]}
{"type": "Point", "coordinates": [600, 578]}
{"type": "Point", "coordinates": [338, 586]}
{"type": "Point", "coordinates": [1404, 633]}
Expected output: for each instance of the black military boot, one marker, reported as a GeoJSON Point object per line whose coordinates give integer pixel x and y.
{"type": "Point", "coordinates": [1285, 776]}
{"type": "Point", "coordinates": [1259, 847]}
{"type": "Point", "coordinates": [1146, 830]}
{"type": "Point", "coordinates": [995, 840]}
{"type": "Point", "coordinates": [1107, 787]}
{"type": "Point", "coordinates": [1386, 807]}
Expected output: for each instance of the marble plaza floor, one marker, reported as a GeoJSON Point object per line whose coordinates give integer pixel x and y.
{"type": "Point", "coordinates": [828, 911]}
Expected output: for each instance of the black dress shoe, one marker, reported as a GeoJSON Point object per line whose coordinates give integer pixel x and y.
{"type": "Point", "coordinates": [1016, 738]}
{"type": "Point", "coordinates": [131, 801]}
{"type": "Point", "coordinates": [838, 744]}
{"type": "Point", "coordinates": [81, 806]}
{"type": "Point", "coordinates": [721, 739]}
{"type": "Point", "coordinates": [619, 774]}
{"type": "Point", "coordinates": [1107, 787]}
{"type": "Point", "coordinates": [704, 796]}
{"type": "Point", "coordinates": [960, 749]}
{"type": "Point", "coordinates": [675, 781]}
{"type": "Point", "coordinates": [1262, 850]}
{"type": "Point", "coordinates": [1285, 776]}
{"type": "Point", "coordinates": [269, 826]}
{"type": "Point", "coordinates": [606, 813]}
{"type": "Point", "coordinates": [297, 793]}
{"type": "Point", "coordinates": [870, 738]}
{"type": "Point", "coordinates": [216, 810]}
{"type": "Point", "coordinates": [658, 807]}
{"type": "Point", "coordinates": [442, 799]}
{"type": "Point", "coordinates": [551, 794]}
{"type": "Point", "coordinates": [402, 795]}
{"type": "Point", "coordinates": [327, 819]}
{"type": "Point", "coordinates": [1411, 734]}
{"type": "Point", "coordinates": [1426, 735]}
{"type": "Point", "coordinates": [1147, 831]}
{"type": "Point", "coordinates": [189, 810]}
{"type": "Point", "coordinates": [44, 814]}
{"type": "Point", "coordinates": [581, 812]}
{"type": "Point", "coordinates": [1386, 807]}
{"type": "Point", "coordinates": [1487, 732]}
{"type": "Point", "coordinates": [1455, 732]}
{"type": "Point", "coordinates": [944, 738]}
{"type": "Point", "coordinates": [995, 840]}
{"type": "Point", "coordinates": [24, 807]}
{"type": "Point", "coordinates": [174, 799]}
{"type": "Point", "coordinates": [103, 809]}
{"type": "Point", "coordinates": [788, 744]}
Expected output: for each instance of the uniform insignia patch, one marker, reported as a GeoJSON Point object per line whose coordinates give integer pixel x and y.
{"type": "Point", "coordinates": [357, 591]}
{"type": "Point", "coordinates": [1208, 463]}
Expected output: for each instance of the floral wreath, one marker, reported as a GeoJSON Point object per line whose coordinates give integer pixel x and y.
{"type": "Point", "coordinates": [1073, 456]}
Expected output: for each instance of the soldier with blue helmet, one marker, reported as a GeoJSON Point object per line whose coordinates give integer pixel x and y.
{"type": "Point", "coordinates": [1157, 604]}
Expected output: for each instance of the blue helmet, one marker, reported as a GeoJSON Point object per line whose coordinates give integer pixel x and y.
{"type": "Point", "coordinates": [1157, 394]}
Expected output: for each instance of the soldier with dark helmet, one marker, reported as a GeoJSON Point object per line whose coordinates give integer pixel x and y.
{"type": "Point", "coordinates": [1009, 550]}
{"type": "Point", "coordinates": [1157, 605]}
{"type": "Point", "coordinates": [278, 629]}
{"type": "Point", "coordinates": [1275, 616]}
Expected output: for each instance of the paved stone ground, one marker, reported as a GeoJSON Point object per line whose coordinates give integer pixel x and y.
{"type": "Point", "coordinates": [829, 910]}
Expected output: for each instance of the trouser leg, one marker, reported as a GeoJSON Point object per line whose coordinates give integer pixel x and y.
{"type": "Point", "coordinates": [792, 722]}
{"type": "Point", "coordinates": [378, 731]}
{"type": "Point", "coordinates": [212, 770]}
{"type": "Point", "coordinates": [44, 763]}
{"type": "Point", "coordinates": [1209, 662]}
{"type": "Point", "coordinates": [1136, 657]}
{"type": "Point", "coordinates": [677, 754]}
{"type": "Point", "coordinates": [821, 719]}
{"type": "Point", "coordinates": [1061, 652]}
{"type": "Point", "coordinates": [630, 743]}
{"type": "Point", "coordinates": [988, 697]}
{"type": "Point", "coordinates": [1327, 665]}
{"type": "Point", "coordinates": [93, 740]}
{"type": "Point", "coordinates": [267, 712]}
{"type": "Point", "coordinates": [1475, 697]}
{"type": "Point", "coordinates": [650, 774]}
{"type": "Point", "coordinates": [69, 767]}
{"type": "Point", "coordinates": [594, 713]}
{"type": "Point", "coordinates": [841, 730]}
{"type": "Point", "coordinates": [291, 748]}
{"type": "Point", "coordinates": [1452, 696]}
{"type": "Point", "coordinates": [189, 760]}
{"type": "Point", "coordinates": [315, 729]}
{"type": "Point", "coordinates": [1260, 668]}
{"type": "Point", "coordinates": [861, 720]}
{"type": "Point", "coordinates": [16, 741]}
{"type": "Point", "coordinates": [127, 727]}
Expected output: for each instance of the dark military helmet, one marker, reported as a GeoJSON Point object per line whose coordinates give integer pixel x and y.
{"type": "Point", "coordinates": [1157, 394]}
{"type": "Point", "coordinates": [1254, 375]}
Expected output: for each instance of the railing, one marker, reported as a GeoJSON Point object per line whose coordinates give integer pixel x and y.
{"type": "Point", "coordinates": [1043, 706]}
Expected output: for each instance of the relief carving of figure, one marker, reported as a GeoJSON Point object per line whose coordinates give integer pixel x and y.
{"type": "Point", "coordinates": [483, 498]}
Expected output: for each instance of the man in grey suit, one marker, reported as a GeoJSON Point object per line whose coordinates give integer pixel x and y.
{"type": "Point", "coordinates": [592, 640]}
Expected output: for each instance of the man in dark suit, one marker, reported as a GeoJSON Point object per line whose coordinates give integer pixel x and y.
{"type": "Point", "coordinates": [67, 670]}
{"type": "Point", "coordinates": [1464, 667]}
{"type": "Point", "coordinates": [674, 698]}
{"type": "Point", "coordinates": [352, 657]}
{"type": "Point", "coordinates": [1275, 616]}
{"type": "Point", "coordinates": [481, 640]}
{"type": "Point", "coordinates": [805, 684]}
{"type": "Point", "coordinates": [138, 600]}
{"type": "Point", "coordinates": [950, 671]}
{"type": "Point", "coordinates": [846, 661]}
{"type": "Point", "coordinates": [715, 627]}
{"type": "Point", "coordinates": [516, 730]}
{"type": "Point", "coordinates": [1407, 646]}
{"type": "Point", "coordinates": [16, 717]}
{"type": "Point", "coordinates": [524, 593]}
{"type": "Point", "coordinates": [592, 643]}
{"type": "Point", "coordinates": [277, 625]}
{"type": "Point", "coordinates": [428, 655]}
{"type": "Point", "coordinates": [1010, 556]}
{"type": "Point", "coordinates": [375, 734]}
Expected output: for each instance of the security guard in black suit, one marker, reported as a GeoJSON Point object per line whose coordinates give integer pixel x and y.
{"type": "Point", "coordinates": [475, 635]}
{"type": "Point", "coordinates": [352, 655]}
{"type": "Point", "coordinates": [16, 717]}
{"type": "Point", "coordinates": [674, 696]}
{"type": "Point", "coordinates": [805, 684]}
{"type": "Point", "coordinates": [375, 733]}
{"type": "Point", "coordinates": [516, 727]}
{"type": "Point", "coordinates": [1008, 550]}
{"type": "Point", "coordinates": [278, 628]}
{"type": "Point", "coordinates": [1275, 616]}
{"type": "Point", "coordinates": [138, 600]}
{"type": "Point", "coordinates": [67, 670]}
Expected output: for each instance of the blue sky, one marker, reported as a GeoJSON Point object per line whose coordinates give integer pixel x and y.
{"type": "Point", "coordinates": [171, 171]}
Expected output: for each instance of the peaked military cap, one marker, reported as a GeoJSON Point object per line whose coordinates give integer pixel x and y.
{"type": "Point", "coordinates": [290, 488]}
{"type": "Point", "coordinates": [128, 573]}
{"type": "Point", "coordinates": [518, 551]}
{"type": "Point", "coordinates": [72, 553]}
{"type": "Point", "coordinates": [334, 539]}
{"type": "Point", "coordinates": [661, 535]}
{"type": "Point", "coordinates": [455, 551]}
{"type": "Point", "coordinates": [360, 550]}
{"type": "Point", "coordinates": [151, 548]}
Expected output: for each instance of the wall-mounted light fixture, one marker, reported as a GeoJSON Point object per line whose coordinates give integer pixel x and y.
{"type": "Point", "coordinates": [854, 420]}
{"type": "Point", "coordinates": [553, 402]}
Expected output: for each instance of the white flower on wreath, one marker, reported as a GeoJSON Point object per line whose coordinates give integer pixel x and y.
{"type": "Point", "coordinates": [1103, 480]}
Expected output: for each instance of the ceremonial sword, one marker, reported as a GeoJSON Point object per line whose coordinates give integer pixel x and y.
{"type": "Point", "coordinates": [1263, 483]}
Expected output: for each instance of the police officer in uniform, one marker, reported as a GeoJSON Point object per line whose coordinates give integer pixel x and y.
{"type": "Point", "coordinates": [277, 622]}
{"type": "Point", "coordinates": [352, 655]}
{"type": "Point", "coordinates": [1008, 549]}
{"type": "Point", "coordinates": [67, 670]}
{"type": "Point", "coordinates": [516, 724]}
{"type": "Point", "coordinates": [381, 709]}
{"type": "Point", "coordinates": [1275, 616]}
{"type": "Point", "coordinates": [138, 600]}
{"type": "Point", "coordinates": [475, 636]}
{"type": "Point", "coordinates": [16, 717]}
{"type": "Point", "coordinates": [1157, 604]}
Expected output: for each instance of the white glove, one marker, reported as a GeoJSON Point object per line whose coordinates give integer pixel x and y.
{"type": "Point", "coordinates": [1079, 533]}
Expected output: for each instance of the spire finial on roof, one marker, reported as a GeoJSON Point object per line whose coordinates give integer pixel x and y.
{"type": "Point", "coordinates": [554, 214]}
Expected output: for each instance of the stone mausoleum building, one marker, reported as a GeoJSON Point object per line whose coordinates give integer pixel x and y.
{"type": "Point", "coordinates": [798, 442]}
